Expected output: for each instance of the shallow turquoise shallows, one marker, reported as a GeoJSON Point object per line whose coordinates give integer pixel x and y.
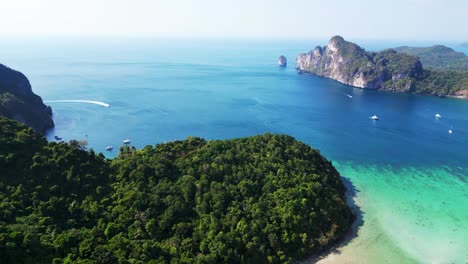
{"type": "Point", "coordinates": [409, 173]}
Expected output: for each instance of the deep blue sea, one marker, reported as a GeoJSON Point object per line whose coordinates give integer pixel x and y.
{"type": "Point", "coordinates": [410, 173]}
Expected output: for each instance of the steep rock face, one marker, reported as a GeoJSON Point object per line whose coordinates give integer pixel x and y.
{"type": "Point", "coordinates": [282, 61]}
{"type": "Point", "coordinates": [462, 93]}
{"type": "Point", "coordinates": [17, 101]}
{"type": "Point", "coordinates": [350, 64]}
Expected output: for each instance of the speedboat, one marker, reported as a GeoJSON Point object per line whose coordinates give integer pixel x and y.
{"type": "Point", "coordinates": [109, 148]}
{"type": "Point", "coordinates": [450, 131]}
{"type": "Point", "coordinates": [437, 116]}
{"type": "Point", "coordinates": [126, 141]}
{"type": "Point", "coordinates": [374, 117]}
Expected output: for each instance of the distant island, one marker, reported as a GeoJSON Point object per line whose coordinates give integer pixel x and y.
{"type": "Point", "coordinates": [17, 101]}
{"type": "Point", "coordinates": [387, 70]}
{"type": "Point", "coordinates": [438, 57]}
{"type": "Point", "coordinates": [262, 199]}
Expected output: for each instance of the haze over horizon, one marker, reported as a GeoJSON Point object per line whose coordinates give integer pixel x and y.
{"type": "Point", "coordinates": [298, 19]}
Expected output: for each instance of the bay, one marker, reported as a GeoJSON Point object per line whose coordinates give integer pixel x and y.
{"type": "Point", "coordinates": [409, 173]}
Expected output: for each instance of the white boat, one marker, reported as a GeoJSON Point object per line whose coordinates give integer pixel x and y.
{"type": "Point", "coordinates": [437, 116]}
{"type": "Point", "coordinates": [126, 141]}
{"type": "Point", "coordinates": [450, 131]}
{"type": "Point", "coordinates": [109, 148]}
{"type": "Point", "coordinates": [374, 117]}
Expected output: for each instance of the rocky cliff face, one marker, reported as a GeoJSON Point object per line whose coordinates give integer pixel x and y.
{"type": "Point", "coordinates": [350, 64]}
{"type": "Point", "coordinates": [282, 61]}
{"type": "Point", "coordinates": [462, 93]}
{"type": "Point", "coordinates": [17, 101]}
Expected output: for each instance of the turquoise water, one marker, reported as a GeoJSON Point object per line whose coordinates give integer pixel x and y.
{"type": "Point", "coordinates": [410, 174]}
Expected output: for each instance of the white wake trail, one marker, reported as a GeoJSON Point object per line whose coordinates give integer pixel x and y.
{"type": "Point", "coordinates": [78, 101]}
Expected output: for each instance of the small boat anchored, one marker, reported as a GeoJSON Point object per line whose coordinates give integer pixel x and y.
{"type": "Point", "coordinates": [450, 131]}
{"type": "Point", "coordinates": [437, 116]}
{"type": "Point", "coordinates": [58, 138]}
{"type": "Point", "coordinates": [109, 148]}
{"type": "Point", "coordinates": [374, 117]}
{"type": "Point", "coordinates": [126, 141]}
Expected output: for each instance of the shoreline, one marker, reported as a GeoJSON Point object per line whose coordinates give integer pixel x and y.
{"type": "Point", "coordinates": [328, 255]}
{"type": "Point", "coordinates": [458, 97]}
{"type": "Point", "coordinates": [463, 97]}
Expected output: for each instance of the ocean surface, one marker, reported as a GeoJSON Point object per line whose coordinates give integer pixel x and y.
{"type": "Point", "coordinates": [409, 174]}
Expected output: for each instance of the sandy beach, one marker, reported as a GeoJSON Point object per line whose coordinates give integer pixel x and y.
{"type": "Point", "coordinates": [335, 254]}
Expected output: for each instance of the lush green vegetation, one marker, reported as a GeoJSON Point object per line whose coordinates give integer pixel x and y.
{"type": "Point", "coordinates": [446, 73]}
{"type": "Point", "coordinates": [442, 83]}
{"type": "Point", "coordinates": [438, 57]}
{"type": "Point", "coordinates": [262, 199]}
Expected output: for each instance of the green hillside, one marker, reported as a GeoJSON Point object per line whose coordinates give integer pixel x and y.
{"type": "Point", "coordinates": [438, 57]}
{"type": "Point", "coordinates": [262, 199]}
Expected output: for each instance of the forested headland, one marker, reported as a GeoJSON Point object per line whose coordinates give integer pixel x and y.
{"type": "Point", "coordinates": [262, 199]}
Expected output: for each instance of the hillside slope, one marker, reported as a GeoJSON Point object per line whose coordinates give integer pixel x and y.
{"type": "Point", "coordinates": [261, 199]}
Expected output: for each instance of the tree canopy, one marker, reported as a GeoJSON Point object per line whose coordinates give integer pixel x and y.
{"type": "Point", "coordinates": [262, 199]}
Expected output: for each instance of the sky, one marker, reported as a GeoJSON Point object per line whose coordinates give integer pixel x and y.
{"type": "Point", "coordinates": [278, 19]}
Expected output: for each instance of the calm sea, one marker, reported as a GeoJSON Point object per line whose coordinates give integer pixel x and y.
{"type": "Point", "coordinates": [410, 174]}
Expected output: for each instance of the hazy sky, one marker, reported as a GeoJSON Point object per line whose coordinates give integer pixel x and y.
{"type": "Point", "coordinates": [284, 19]}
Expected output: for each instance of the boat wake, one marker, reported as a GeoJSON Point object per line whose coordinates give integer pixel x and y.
{"type": "Point", "coordinates": [78, 101]}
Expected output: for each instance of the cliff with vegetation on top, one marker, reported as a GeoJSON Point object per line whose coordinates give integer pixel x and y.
{"type": "Point", "coordinates": [386, 70]}
{"type": "Point", "coordinates": [17, 101]}
{"type": "Point", "coordinates": [263, 199]}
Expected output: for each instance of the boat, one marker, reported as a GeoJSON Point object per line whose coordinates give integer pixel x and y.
{"type": "Point", "coordinates": [58, 138]}
{"type": "Point", "coordinates": [109, 148]}
{"type": "Point", "coordinates": [374, 117]}
{"type": "Point", "coordinates": [126, 141]}
{"type": "Point", "coordinates": [450, 131]}
{"type": "Point", "coordinates": [299, 71]}
{"type": "Point", "coordinates": [437, 116]}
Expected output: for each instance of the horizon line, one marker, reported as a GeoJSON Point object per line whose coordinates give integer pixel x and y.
{"type": "Point", "coordinates": [221, 38]}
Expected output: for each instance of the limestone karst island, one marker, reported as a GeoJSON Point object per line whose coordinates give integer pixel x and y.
{"type": "Point", "coordinates": [389, 70]}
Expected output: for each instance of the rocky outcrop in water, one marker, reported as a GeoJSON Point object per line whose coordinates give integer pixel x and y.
{"type": "Point", "coordinates": [282, 61]}
{"type": "Point", "coordinates": [18, 102]}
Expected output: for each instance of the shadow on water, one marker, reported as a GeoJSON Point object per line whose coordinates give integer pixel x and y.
{"type": "Point", "coordinates": [336, 248]}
